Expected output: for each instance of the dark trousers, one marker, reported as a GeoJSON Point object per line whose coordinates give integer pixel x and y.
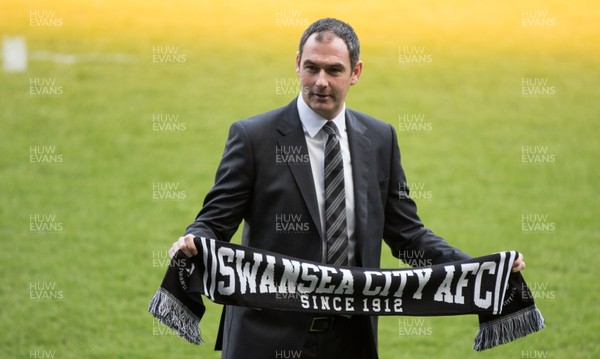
{"type": "Point", "coordinates": [347, 338]}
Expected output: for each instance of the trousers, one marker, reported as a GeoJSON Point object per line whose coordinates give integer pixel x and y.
{"type": "Point", "coordinates": [347, 338]}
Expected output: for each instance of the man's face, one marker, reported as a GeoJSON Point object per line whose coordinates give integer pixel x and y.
{"type": "Point", "coordinates": [325, 73]}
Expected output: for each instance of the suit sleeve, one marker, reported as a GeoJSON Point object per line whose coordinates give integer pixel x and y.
{"type": "Point", "coordinates": [404, 232]}
{"type": "Point", "coordinates": [226, 202]}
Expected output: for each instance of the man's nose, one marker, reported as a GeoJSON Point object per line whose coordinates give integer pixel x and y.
{"type": "Point", "coordinates": [322, 79]}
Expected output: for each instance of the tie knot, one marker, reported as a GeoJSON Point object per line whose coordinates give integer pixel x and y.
{"type": "Point", "coordinates": [330, 128]}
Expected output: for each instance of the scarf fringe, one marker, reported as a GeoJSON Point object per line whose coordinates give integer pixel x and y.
{"type": "Point", "coordinates": [508, 328]}
{"type": "Point", "coordinates": [172, 313]}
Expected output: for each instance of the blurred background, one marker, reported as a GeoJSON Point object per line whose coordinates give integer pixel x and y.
{"type": "Point", "coordinates": [114, 114]}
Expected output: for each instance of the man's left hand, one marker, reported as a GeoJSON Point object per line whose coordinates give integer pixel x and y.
{"type": "Point", "coordinates": [519, 264]}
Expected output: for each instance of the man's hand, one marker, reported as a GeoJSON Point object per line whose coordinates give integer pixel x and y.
{"type": "Point", "coordinates": [519, 264]}
{"type": "Point", "coordinates": [187, 246]}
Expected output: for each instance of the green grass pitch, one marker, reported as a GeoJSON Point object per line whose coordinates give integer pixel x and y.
{"type": "Point", "coordinates": [110, 138]}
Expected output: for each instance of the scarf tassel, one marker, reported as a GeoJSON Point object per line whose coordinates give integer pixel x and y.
{"type": "Point", "coordinates": [508, 328]}
{"type": "Point", "coordinates": [172, 313]}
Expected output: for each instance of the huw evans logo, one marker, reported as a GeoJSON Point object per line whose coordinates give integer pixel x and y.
{"type": "Point", "coordinates": [537, 155]}
{"type": "Point", "coordinates": [413, 258]}
{"type": "Point", "coordinates": [537, 86]}
{"type": "Point", "coordinates": [291, 155]}
{"type": "Point", "coordinates": [167, 122]}
{"type": "Point", "coordinates": [44, 154]}
{"type": "Point", "coordinates": [44, 18]}
{"type": "Point", "coordinates": [537, 18]}
{"type": "Point", "coordinates": [534, 354]}
{"type": "Point", "coordinates": [161, 259]}
{"type": "Point", "coordinates": [291, 223]}
{"type": "Point", "coordinates": [413, 122]}
{"type": "Point", "coordinates": [414, 327]}
{"type": "Point", "coordinates": [414, 191]}
{"type": "Point", "coordinates": [44, 222]}
{"type": "Point", "coordinates": [411, 54]}
{"type": "Point", "coordinates": [44, 86]}
{"type": "Point", "coordinates": [538, 291]}
{"type": "Point", "coordinates": [536, 222]}
{"type": "Point", "coordinates": [42, 353]}
{"type": "Point", "coordinates": [167, 55]}
{"type": "Point", "coordinates": [288, 354]}
{"type": "Point", "coordinates": [287, 85]}
{"type": "Point", "coordinates": [167, 191]}
{"type": "Point", "coordinates": [159, 329]}
{"type": "Point", "coordinates": [290, 18]}
{"type": "Point", "coordinates": [44, 291]}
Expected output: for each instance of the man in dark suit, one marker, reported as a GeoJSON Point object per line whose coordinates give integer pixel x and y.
{"type": "Point", "coordinates": [320, 192]}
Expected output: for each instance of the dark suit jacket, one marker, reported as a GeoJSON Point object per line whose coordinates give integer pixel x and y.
{"type": "Point", "coordinates": [265, 179]}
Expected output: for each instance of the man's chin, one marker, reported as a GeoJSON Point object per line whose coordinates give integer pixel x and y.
{"type": "Point", "coordinates": [323, 108]}
{"type": "Point", "coordinates": [323, 111]}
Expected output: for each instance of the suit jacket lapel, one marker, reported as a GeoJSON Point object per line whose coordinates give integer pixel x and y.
{"type": "Point", "coordinates": [360, 147]}
{"type": "Point", "coordinates": [292, 134]}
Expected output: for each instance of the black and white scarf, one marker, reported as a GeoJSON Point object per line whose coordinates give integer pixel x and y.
{"type": "Point", "coordinates": [231, 274]}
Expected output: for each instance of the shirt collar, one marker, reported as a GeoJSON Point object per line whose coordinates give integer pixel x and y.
{"type": "Point", "coordinates": [313, 122]}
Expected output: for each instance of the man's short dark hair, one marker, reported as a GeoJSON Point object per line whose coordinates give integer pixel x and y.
{"type": "Point", "coordinates": [340, 29]}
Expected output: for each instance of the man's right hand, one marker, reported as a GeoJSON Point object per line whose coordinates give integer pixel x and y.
{"type": "Point", "coordinates": [186, 244]}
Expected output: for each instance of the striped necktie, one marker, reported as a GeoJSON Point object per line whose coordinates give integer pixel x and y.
{"type": "Point", "coordinates": [335, 200]}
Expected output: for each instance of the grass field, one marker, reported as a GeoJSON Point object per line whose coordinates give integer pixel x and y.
{"type": "Point", "coordinates": [111, 136]}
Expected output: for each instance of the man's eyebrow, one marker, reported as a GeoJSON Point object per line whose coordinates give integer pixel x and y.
{"type": "Point", "coordinates": [337, 65]}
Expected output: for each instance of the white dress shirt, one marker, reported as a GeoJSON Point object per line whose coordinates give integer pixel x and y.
{"type": "Point", "coordinates": [316, 138]}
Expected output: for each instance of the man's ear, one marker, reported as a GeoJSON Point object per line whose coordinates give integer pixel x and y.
{"type": "Point", "coordinates": [298, 63]}
{"type": "Point", "coordinates": [356, 72]}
